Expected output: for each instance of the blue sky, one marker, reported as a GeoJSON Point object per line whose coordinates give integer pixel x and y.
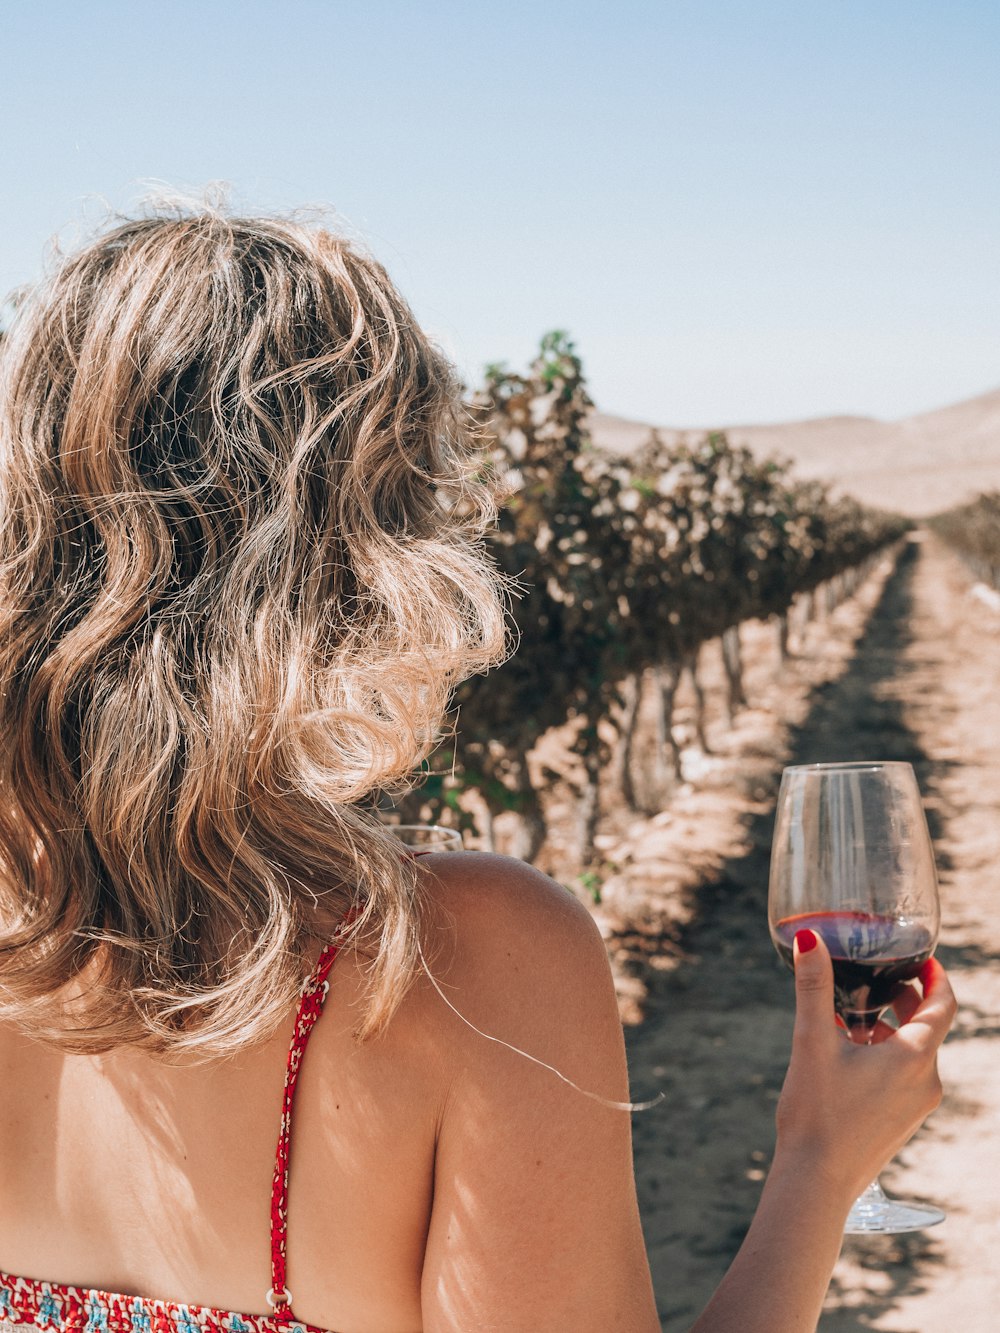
{"type": "Point", "coordinates": [741, 211]}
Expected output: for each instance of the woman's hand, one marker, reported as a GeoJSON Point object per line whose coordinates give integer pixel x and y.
{"type": "Point", "coordinates": [846, 1109]}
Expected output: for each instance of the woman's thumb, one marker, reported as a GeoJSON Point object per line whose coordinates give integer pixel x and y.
{"type": "Point", "coordinates": [813, 985]}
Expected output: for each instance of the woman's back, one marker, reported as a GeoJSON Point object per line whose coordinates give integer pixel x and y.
{"type": "Point", "coordinates": [121, 1173]}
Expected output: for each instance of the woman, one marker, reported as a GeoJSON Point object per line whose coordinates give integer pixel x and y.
{"type": "Point", "coordinates": [238, 581]}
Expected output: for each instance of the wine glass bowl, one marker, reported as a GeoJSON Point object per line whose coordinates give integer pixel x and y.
{"type": "Point", "coordinates": [427, 837]}
{"type": "Point", "coordinates": [852, 860]}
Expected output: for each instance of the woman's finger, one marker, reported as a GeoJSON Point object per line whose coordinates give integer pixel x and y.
{"type": "Point", "coordinates": [813, 988]}
{"type": "Point", "coordinates": [935, 1013]}
{"type": "Point", "coordinates": [905, 1003]}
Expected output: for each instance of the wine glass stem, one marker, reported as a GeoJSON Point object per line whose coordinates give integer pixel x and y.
{"type": "Point", "coordinates": [872, 1197]}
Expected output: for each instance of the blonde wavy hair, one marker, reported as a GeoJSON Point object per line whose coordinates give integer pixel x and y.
{"type": "Point", "coordinates": [239, 578]}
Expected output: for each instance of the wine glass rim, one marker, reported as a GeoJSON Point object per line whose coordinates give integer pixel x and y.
{"type": "Point", "coordinates": [849, 766]}
{"type": "Point", "coordinates": [432, 828]}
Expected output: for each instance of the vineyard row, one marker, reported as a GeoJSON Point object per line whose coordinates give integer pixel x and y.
{"type": "Point", "coordinates": [627, 565]}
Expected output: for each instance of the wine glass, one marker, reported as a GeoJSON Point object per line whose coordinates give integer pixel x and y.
{"type": "Point", "coordinates": [852, 861]}
{"type": "Point", "coordinates": [427, 837]}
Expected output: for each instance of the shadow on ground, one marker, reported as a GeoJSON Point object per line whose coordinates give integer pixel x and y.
{"type": "Point", "coordinates": [717, 1036]}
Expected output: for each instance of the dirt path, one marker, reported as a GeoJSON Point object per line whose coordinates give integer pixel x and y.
{"type": "Point", "coordinates": [909, 669]}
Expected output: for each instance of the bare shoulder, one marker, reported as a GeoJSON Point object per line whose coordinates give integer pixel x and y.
{"type": "Point", "coordinates": [516, 955]}
{"type": "Point", "coordinates": [495, 911]}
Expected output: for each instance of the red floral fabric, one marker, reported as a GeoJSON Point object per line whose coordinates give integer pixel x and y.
{"type": "Point", "coordinates": [27, 1304]}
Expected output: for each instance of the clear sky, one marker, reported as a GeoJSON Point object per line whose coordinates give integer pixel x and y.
{"type": "Point", "coordinates": [741, 211]}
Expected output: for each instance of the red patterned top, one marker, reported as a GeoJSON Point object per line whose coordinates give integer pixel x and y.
{"type": "Point", "coordinates": [28, 1305]}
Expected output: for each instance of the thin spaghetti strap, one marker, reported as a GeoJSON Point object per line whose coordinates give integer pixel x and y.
{"type": "Point", "coordinates": [315, 989]}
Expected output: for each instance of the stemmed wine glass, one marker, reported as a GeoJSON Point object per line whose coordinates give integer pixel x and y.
{"type": "Point", "coordinates": [852, 860]}
{"type": "Point", "coordinates": [427, 837]}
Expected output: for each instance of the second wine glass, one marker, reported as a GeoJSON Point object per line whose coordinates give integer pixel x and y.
{"type": "Point", "coordinates": [427, 837]}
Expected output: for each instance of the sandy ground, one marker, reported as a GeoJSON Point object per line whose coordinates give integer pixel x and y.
{"type": "Point", "coordinates": [907, 669]}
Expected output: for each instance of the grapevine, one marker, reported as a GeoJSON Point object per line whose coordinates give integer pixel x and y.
{"type": "Point", "coordinates": [627, 566]}
{"type": "Point", "coordinates": [974, 531]}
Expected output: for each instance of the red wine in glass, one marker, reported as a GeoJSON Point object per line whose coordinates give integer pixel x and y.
{"type": "Point", "coordinates": [871, 954]}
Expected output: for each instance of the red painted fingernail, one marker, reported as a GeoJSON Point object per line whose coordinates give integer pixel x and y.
{"type": "Point", "coordinates": [806, 940]}
{"type": "Point", "coordinates": [925, 973]}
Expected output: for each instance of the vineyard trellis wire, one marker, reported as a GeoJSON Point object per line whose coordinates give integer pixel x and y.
{"type": "Point", "coordinates": [627, 565]}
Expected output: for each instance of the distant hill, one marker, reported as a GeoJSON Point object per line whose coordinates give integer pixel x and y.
{"type": "Point", "coordinates": [919, 465]}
